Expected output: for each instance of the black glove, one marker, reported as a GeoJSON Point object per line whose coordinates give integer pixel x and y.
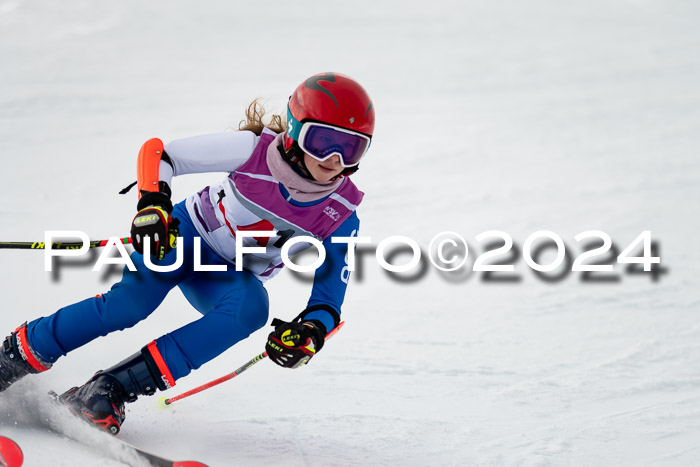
{"type": "Point", "coordinates": [154, 220]}
{"type": "Point", "coordinates": [292, 345]}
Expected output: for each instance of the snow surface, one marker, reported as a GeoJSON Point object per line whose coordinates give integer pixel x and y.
{"type": "Point", "coordinates": [509, 115]}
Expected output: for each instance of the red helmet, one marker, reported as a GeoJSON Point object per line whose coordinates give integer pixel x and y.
{"type": "Point", "coordinates": [333, 99]}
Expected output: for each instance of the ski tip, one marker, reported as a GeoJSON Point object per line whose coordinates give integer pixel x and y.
{"type": "Point", "coordinates": [189, 464]}
{"type": "Point", "coordinates": [10, 453]}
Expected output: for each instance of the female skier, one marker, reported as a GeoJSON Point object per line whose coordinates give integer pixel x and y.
{"type": "Point", "coordinates": [290, 178]}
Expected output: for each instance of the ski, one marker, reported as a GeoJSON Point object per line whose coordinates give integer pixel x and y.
{"type": "Point", "coordinates": [11, 454]}
{"type": "Point", "coordinates": [154, 459]}
{"type": "Point", "coordinates": [159, 461]}
{"type": "Point", "coordinates": [48, 415]}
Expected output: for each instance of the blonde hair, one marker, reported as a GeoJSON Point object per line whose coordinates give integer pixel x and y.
{"type": "Point", "coordinates": [254, 116]}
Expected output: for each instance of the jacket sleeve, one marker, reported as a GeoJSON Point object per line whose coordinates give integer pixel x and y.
{"type": "Point", "coordinates": [217, 152]}
{"type": "Point", "coordinates": [332, 277]}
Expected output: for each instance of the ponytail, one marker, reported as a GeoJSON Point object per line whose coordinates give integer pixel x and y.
{"type": "Point", "coordinates": [254, 116]}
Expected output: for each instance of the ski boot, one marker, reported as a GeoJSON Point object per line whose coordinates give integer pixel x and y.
{"type": "Point", "coordinates": [17, 359]}
{"type": "Point", "coordinates": [101, 400]}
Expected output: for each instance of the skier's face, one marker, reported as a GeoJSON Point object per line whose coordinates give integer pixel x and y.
{"type": "Point", "coordinates": [323, 171]}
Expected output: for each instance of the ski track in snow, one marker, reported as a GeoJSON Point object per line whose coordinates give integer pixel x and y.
{"type": "Point", "coordinates": [492, 115]}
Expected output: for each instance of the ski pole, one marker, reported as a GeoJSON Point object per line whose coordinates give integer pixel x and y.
{"type": "Point", "coordinates": [57, 246]}
{"type": "Point", "coordinates": [167, 401]}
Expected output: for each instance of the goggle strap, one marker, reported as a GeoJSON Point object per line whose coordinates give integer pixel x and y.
{"type": "Point", "coordinates": [293, 126]}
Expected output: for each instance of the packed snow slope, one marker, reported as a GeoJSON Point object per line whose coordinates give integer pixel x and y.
{"type": "Point", "coordinates": [499, 115]}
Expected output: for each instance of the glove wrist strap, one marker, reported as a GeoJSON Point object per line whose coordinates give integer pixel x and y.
{"type": "Point", "coordinates": [327, 308]}
{"type": "Point", "coordinates": [157, 198]}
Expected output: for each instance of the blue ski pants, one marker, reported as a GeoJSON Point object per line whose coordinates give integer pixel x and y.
{"type": "Point", "coordinates": [233, 305]}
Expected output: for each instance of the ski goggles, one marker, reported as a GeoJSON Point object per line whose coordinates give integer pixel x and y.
{"type": "Point", "coordinates": [322, 141]}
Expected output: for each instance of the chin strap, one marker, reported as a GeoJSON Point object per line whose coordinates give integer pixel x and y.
{"type": "Point", "coordinates": [347, 171]}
